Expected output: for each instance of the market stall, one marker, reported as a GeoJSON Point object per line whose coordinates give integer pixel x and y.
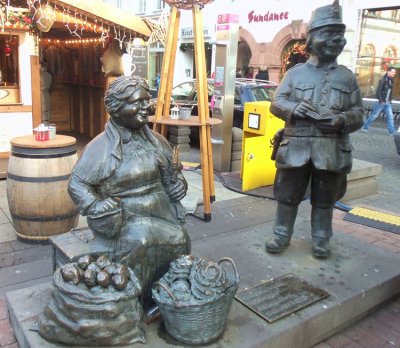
{"type": "Point", "coordinates": [56, 60]}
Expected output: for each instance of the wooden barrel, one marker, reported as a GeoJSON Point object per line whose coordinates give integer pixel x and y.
{"type": "Point", "coordinates": [37, 182]}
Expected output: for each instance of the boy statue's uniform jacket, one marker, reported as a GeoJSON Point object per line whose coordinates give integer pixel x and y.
{"type": "Point", "coordinates": [331, 92]}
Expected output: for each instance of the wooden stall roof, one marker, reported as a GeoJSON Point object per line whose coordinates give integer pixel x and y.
{"type": "Point", "coordinates": [108, 14]}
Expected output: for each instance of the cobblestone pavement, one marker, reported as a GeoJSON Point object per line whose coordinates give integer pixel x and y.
{"type": "Point", "coordinates": [378, 147]}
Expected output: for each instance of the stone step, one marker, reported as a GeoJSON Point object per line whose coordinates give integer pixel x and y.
{"type": "Point", "coordinates": [362, 180]}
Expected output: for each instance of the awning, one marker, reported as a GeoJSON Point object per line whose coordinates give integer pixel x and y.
{"type": "Point", "coordinates": [96, 11]}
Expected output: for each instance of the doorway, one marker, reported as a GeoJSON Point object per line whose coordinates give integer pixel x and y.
{"type": "Point", "coordinates": [293, 53]}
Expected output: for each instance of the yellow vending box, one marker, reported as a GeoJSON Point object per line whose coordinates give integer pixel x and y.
{"type": "Point", "coordinates": [259, 128]}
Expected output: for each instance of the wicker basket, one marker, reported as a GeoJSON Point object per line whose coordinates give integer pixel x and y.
{"type": "Point", "coordinates": [201, 322]}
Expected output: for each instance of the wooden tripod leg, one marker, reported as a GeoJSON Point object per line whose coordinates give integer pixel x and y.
{"type": "Point", "coordinates": [167, 72]}
{"type": "Point", "coordinates": [202, 97]}
{"type": "Point", "coordinates": [210, 165]}
{"type": "Point", "coordinates": [205, 171]}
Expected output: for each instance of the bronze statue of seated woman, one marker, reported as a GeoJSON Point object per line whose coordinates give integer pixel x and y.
{"type": "Point", "coordinates": [129, 188]}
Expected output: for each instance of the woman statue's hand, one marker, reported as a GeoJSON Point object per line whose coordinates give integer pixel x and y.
{"type": "Point", "coordinates": [103, 206]}
{"type": "Point", "coordinates": [176, 191]}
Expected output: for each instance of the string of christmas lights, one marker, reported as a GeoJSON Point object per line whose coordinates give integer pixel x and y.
{"type": "Point", "coordinates": [40, 16]}
{"type": "Point", "coordinates": [72, 42]}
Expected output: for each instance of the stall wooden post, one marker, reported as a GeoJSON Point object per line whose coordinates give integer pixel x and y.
{"type": "Point", "coordinates": [35, 83]}
{"type": "Point", "coordinates": [161, 118]}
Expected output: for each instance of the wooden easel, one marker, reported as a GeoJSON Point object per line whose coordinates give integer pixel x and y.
{"type": "Point", "coordinates": [202, 121]}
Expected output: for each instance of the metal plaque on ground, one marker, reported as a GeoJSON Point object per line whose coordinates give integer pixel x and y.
{"type": "Point", "coordinates": [280, 297]}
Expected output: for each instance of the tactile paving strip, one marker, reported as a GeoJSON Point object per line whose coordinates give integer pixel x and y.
{"type": "Point", "coordinates": [376, 219]}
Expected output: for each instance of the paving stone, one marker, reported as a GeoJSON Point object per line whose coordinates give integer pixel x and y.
{"type": "Point", "coordinates": [364, 337]}
{"type": "Point", "coordinates": [26, 271]}
{"type": "Point", "coordinates": [340, 340]}
{"type": "Point", "coordinates": [6, 333]}
{"type": "Point", "coordinates": [3, 308]}
{"type": "Point", "coordinates": [14, 258]}
{"type": "Point", "coordinates": [381, 329]}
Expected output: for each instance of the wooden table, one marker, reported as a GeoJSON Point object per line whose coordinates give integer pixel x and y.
{"type": "Point", "coordinates": [29, 141]}
{"type": "Point", "coordinates": [193, 121]}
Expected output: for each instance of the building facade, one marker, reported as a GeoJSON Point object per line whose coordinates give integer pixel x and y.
{"type": "Point", "coordinates": [272, 34]}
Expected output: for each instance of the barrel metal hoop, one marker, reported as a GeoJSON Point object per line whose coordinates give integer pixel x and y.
{"type": "Point", "coordinates": [38, 179]}
{"type": "Point", "coordinates": [45, 218]}
{"type": "Point", "coordinates": [40, 156]}
{"type": "Point", "coordinates": [43, 153]}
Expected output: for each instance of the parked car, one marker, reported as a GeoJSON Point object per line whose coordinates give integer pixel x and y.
{"type": "Point", "coordinates": [246, 90]}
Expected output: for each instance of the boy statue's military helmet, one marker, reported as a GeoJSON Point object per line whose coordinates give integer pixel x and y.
{"type": "Point", "coordinates": [326, 15]}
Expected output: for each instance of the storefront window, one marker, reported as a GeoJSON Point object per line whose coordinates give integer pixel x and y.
{"type": "Point", "coordinates": [9, 72]}
{"type": "Point", "coordinates": [365, 71]}
{"type": "Point", "coordinates": [376, 51]}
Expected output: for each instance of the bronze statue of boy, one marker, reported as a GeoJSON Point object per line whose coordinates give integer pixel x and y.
{"type": "Point", "coordinates": [321, 104]}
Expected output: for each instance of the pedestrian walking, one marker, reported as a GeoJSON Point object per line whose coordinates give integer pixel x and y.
{"type": "Point", "coordinates": [384, 103]}
{"type": "Point", "coordinates": [157, 81]}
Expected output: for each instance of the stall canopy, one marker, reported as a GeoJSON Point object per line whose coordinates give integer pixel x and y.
{"type": "Point", "coordinates": [96, 12]}
{"type": "Point", "coordinates": [79, 18]}
{"type": "Point", "coordinates": [83, 18]}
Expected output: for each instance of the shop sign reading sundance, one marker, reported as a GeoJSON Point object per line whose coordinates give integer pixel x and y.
{"type": "Point", "coordinates": [267, 17]}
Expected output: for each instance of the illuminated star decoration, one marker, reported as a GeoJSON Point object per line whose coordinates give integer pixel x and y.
{"type": "Point", "coordinates": [158, 28]}
{"type": "Point", "coordinates": [187, 4]}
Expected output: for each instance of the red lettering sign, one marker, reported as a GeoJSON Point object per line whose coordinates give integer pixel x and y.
{"type": "Point", "coordinates": [228, 18]}
{"type": "Point", "coordinates": [267, 17]}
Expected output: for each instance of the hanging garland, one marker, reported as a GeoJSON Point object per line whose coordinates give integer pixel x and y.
{"type": "Point", "coordinates": [293, 55]}
{"type": "Point", "coordinates": [16, 18]}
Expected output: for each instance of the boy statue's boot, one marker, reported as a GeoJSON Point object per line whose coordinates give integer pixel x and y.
{"type": "Point", "coordinates": [321, 231]}
{"type": "Point", "coordinates": [283, 228]}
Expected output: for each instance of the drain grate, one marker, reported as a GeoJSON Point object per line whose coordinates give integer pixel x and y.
{"type": "Point", "coordinates": [280, 297]}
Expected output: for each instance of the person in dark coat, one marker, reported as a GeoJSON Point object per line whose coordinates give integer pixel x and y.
{"type": "Point", "coordinates": [321, 104]}
{"type": "Point", "coordinates": [249, 73]}
{"type": "Point", "coordinates": [262, 74]}
{"type": "Point", "coordinates": [384, 103]}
